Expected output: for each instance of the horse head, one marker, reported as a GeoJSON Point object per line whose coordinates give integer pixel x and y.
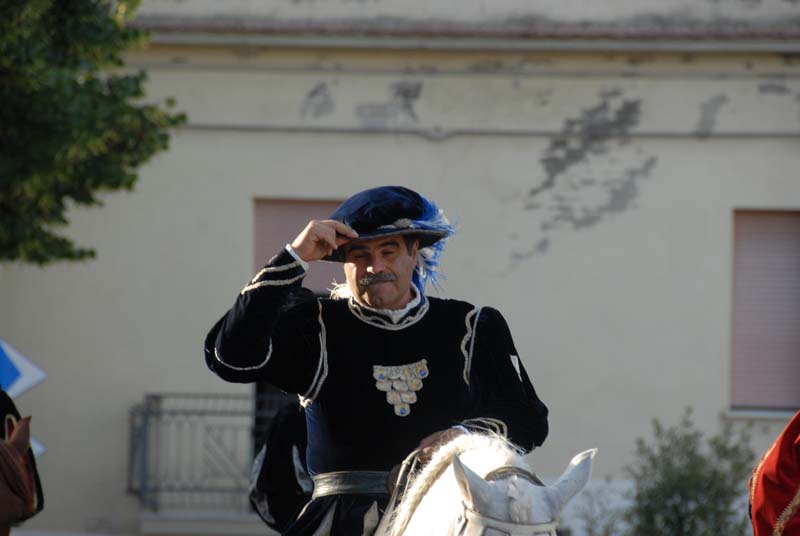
{"type": "Point", "coordinates": [479, 484]}
{"type": "Point", "coordinates": [514, 496]}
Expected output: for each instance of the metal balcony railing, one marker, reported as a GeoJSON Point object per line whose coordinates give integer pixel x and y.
{"type": "Point", "coordinates": [195, 451]}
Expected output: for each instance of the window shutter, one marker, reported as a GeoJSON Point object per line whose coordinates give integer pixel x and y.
{"type": "Point", "coordinates": [278, 222]}
{"type": "Point", "coordinates": [766, 316]}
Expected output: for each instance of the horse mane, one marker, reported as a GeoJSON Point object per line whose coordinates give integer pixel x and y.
{"type": "Point", "coordinates": [489, 443]}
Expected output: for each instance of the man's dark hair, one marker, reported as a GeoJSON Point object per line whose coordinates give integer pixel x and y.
{"type": "Point", "coordinates": [409, 240]}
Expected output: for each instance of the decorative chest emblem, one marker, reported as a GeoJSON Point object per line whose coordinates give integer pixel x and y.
{"type": "Point", "coordinates": [401, 384]}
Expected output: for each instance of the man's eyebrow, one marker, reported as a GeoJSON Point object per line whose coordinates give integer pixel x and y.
{"type": "Point", "coordinates": [390, 242]}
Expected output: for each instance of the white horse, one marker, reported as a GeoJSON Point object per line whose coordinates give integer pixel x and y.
{"type": "Point", "coordinates": [479, 484]}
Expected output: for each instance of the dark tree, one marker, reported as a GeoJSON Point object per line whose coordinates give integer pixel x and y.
{"type": "Point", "coordinates": [72, 122]}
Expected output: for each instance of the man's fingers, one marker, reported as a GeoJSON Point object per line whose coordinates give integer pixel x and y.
{"type": "Point", "coordinates": [432, 439]}
{"type": "Point", "coordinates": [327, 237]}
{"type": "Point", "coordinates": [342, 240]}
{"type": "Point", "coordinates": [432, 442]}
{"type": "Point", "coordinates": [321, 238]}
{"type": "Point", "coordinates": [335, 233]}
{"type": "Point", "coordinates": [341, 228]}
{"type": "Point", "coordinates": [426, 454]}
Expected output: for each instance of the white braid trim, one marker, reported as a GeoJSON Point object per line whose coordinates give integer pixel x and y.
{"type": "Point", "coordinates": [322, 366]}
{"type": "Point", "coordinates": [379, 321]}
{"type": "Point", "coordinates": [471, 320]}
{"type": "Point", "coordinates": [272, 283]}
{"type": "Point", "coordinates": [487, 424]}
{"type": "Point", "coordinates": [255, 367]}
{"type": "Point", "coordinates": [273, 269]}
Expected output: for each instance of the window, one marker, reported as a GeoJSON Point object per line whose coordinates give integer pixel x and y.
{"type": "Point", "coordinates": [278, 222]}
{"type": "Point", "coordinates": [766, 311]}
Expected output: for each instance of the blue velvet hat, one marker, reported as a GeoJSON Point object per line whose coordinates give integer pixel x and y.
{"type": "Point", "coordinates": [395, 210]}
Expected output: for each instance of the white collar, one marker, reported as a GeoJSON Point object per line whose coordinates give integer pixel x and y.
{"type": "Point", "coordinates": [392, 319]}
{"type": "Point", "coordinates": [395, 315]}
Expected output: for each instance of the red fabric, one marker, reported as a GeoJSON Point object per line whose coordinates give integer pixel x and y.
{"type": "Point", "coordinates": [775, 486]}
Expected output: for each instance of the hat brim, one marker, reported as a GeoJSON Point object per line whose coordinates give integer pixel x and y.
{"type": "Point", "coordinates": [426, 238]}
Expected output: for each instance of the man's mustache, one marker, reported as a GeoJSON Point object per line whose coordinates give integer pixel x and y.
{"type": "Point", "coordinates": [381, 277]}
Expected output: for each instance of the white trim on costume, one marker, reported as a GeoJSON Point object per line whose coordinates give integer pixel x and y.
{"type": "Point", "coordinates": [272, 283]}
{"type": "Point", "coordinates": [255, 367]}
{"type": "Point", "coordinates": [273, 269]}
{"type": "Point", "coordinates": [379, 320]}
{"type": "Point", "coordinates": [471, 321]}
{"type": "Point", "coordinates": [296, 256]}
{"type": "Point", "coordinates": [322, 366]}
{"type": "Point", "coordinates": [515, 364]}
{"type": "Point", "coordinates": [487, 424]}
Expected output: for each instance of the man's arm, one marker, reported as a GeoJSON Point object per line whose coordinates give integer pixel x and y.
{"type": "Point", "coordinates": [501, 391]}
{"type": "Point", "coordinates": [249, 343]}
{"type": "Point", "coordinates": [271, 332]}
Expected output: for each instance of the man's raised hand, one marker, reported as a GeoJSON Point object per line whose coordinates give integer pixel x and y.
{"type": "Point", "coordinates": [321, 238]}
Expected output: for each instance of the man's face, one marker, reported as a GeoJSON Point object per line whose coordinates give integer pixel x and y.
{"type": "Point", "coordinates": [379, 271]}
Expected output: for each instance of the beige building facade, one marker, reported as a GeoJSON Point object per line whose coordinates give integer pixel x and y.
{"type": "Point", "coordinates": [625, 190]}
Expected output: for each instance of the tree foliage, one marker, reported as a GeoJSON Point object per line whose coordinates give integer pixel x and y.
{"type": "Point", "coordinates": [685, 486]}
{"type": "Point", "coordinates": [72, 122]}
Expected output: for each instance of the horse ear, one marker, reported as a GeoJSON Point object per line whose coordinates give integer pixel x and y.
{"type": "Point", "coordinates": [473, 488]}
{"type": "Point", "coordinates": [21, 436]}
{"type": "Point", "coordinates": [572, 480]}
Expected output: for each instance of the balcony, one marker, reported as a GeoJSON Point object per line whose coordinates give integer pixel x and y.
{"type": "Point", "coordinates": [190, 461]}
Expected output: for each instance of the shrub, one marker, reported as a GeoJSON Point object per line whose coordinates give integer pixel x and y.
{"type": "Point", "coordinates": [685, 486]}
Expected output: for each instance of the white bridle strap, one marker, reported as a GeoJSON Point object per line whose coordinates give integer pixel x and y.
{"type": "Point", "coordinates": [476, 524]}
{"type": "Point", "coordinates": [507, 471]}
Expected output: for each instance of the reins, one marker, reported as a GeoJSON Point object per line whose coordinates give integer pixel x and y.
{"type": "Point", "coordinates": [408, 466]}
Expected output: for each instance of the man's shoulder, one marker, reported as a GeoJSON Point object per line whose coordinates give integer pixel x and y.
{"type": "Point", "coordinates": [328, 301]}
{"type": "Point", "coordinates": [452, 306]}
{"type": "Point", "coordinates": [488, 317]}
{"type": "Point", "coordinates": [333, 307]}
{"type": "Point", "coordinates": [445, 303]}
{"type": "Point", "coordinates": [450, 302]}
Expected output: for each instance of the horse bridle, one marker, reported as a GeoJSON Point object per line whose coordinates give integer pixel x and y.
{"type": "Point", "coordinates": [507, 471]}
{"type": "Point", "coordinates": [472, 523]}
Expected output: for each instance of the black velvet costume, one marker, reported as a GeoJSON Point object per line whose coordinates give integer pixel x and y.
{"type": "Point", "coordinates": [373, 387]}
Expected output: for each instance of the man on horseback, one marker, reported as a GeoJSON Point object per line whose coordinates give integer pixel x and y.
{"type": "Point", "coordinates": [381, 368]}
